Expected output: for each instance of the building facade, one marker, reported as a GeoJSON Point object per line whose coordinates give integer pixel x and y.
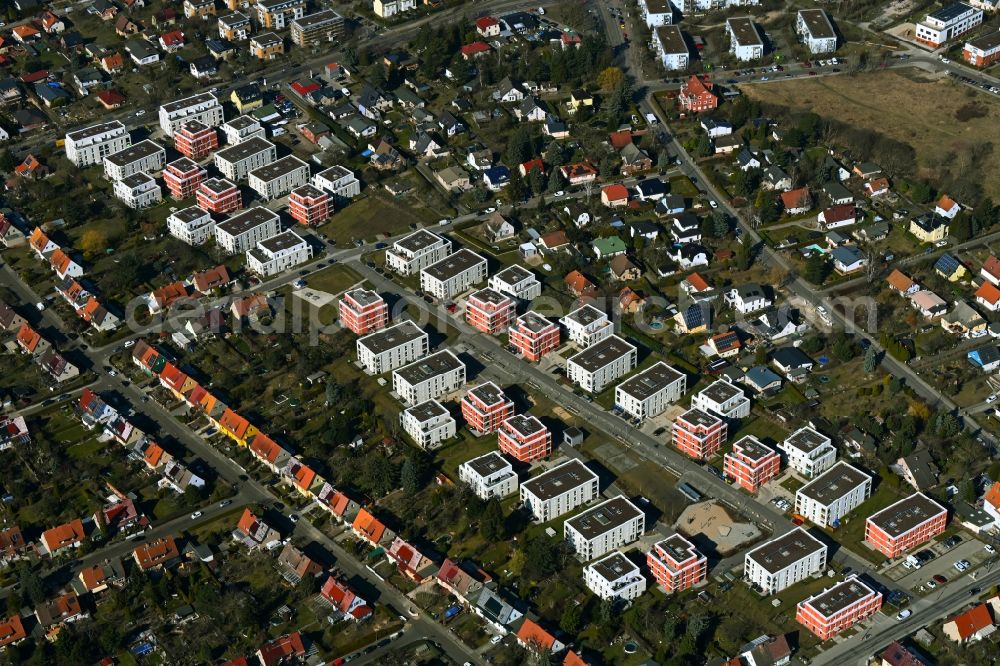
{"type": "Point", "coordinates": [533, 336]}
{"type": "Point", "coordinates": [363, 311]}
{"type": "Point", "coordinates": [428, 424]}
{"type": "Point", "coordinates": [751, 464]}
{"type": "Point", "coordinates": [242, 231]}
{"type": "Point", "coordinates": [322, 26]}
{"type": "Point", "coordinates": [236, 162]}
{"type": "Point", "coordinates": [517, 282]}
{"type": "Point", "coordinates": [676, 564]}
{"type": "Point", "coordinates": [745, 41]}
{"type": "Point", "coordinates": [906, 524]}
{"type": "Point", "coordinates": [278, 253]}
{"type": "Point", "coordinates": [392, 347]}
{"type": "Point", "coordinates": [91, 145]}
{"type": "Point", "coordinates": [698, 434]}
{"type": "Point", "coordinates": [587, 326]}
{"type": "Point", "coordinates": [415, 252]}
{"type": "Point", "coordinates": [671, 48]}
{"type": "Point", "coordinates": [614, 577]}
{"type": "Point", "coordinates": [338, 181]}
{"type": "Point", "coordinates": [195, 140]}
{"type": "Point", "coordinates": [833, 494]}
{"type": "Point", "coordinates": [809, 452]}
{"type": "Point", "coordinates": [203, 107]}
{"type": "Point", "coordinates": [183, 177]}
{"type": "Point", "coordinates": [429, 378]}
{"type": "Point", "coordinates": [602, 363]}
{"type": "Point", "coordinates": [193, 225]}
{"type": "Point", "coordinates": [601, 529]}
{"type": "Point", "coordinates": [784, 561]}
{"type": "Point", "coordinates": [138, 191]}
{"type": "Point", "coordinates": [489, 475]}
{"type": "Point", "coordinates": [559, 490]}
{"type": "Point", "coordinates": [947, 23]}
{"type": "Point", "coordinates": [490, 311]}
{"type": "Point", "coordinates": [279, 177]}
{"type": "Point", "coordinates": [309, 205]}
{"type": "Point", "coordinates": [143, 157]}
{"type": "Point", "coordinates": [454, 274]}
{"type": "Point", "coordinates": [219, 196]}
{"type": "Point", "coordinates": [648, 393]}
{"type": "Point", "coordinates": [838, 608]}
{"type": "Point", "coordinates": [815, 30]}
{"type": "Point", "coordinates": [485, 408]}
{"type": "Point", "coordinates": [524, 438]}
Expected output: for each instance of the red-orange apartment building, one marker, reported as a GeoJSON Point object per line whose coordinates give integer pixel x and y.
{"type": "Point", "coordinates": [219, 196]}
{"type": "Point", "coordinates": [363, 311]}
{"type": "Point", "coordinates": [906, 524]}
{"type": "Point", "coordinates": [676, 564]}
{"type": "Point", "coordinates": [842, 606]}
{"type": "Point", "coordinates": [486, 407]}
{"type": "Point", "coordinates": [533, 336]}
{"type": "Point", "coordinates": [183, 177]}
{"type": "Point", "coordinates": [309, 205]}
{"type": "Point", "coordinates": [195, 139]}
{"type": "Point", "coordinates": [525, 438]}
{"type": "Point", "coordinates": [751, 463]}
{"type": "Point", "coordinates": [489, 311]}
{"type": "Point", "coordinates": [699, 434]}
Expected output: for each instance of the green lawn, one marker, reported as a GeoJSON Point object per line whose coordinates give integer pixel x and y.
{"type": "Point", "coordinates": [373, 215]}
{"type": "Point", "coordinates": [852, 527]}
{"type": "Point", "coordinates": [334, 279]}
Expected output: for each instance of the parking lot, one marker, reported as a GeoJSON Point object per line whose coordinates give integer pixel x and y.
{"type": "Point", "coordinates": [921, 580]}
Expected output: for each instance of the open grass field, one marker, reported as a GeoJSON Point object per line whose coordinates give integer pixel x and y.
{"type": "Point", "coordinates": [375, 214]}
{"type": "Point", "coordinates": [937, 117]}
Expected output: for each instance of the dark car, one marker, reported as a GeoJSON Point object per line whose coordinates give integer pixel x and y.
{"type": "Point", "coordinates": [938, 578]}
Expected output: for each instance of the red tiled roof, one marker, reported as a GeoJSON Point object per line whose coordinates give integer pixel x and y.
{"type": "Point", "coordinates": [368, 525]}
{"type": "Point", "coordinates": [615, 192]}
{"type": "Point", "coordinates": [281, 650]}
{"type": "Point", "coordinates": [155, 553]}
{"type": "Point", "coordinates": [946, 203]}
{"type": "Point", "coordinates": [172, 38]}
{"type": "Point", "coordinates": [532, 634]}
{"type": "Point", "coordinates": [484, 22]}
{"type": "Point", "coordinates": [992, 266]}
{"type": "Point", "coordinates": [973, 620]}
{"type": "Point", "coordinates": [555, 239]}
{"type": "Point", "coordinates": [697, 282]}
{"type": "Point", "coordinates": [64, 535]}
{"type": "Point", "coordinates": [475, 48]}
{"type": "Point", "coordinates": [265, 448]}
{"type": "Point", "coordinates": [795, 198]}
{"type": "Point", "coordinates": [992, 496]}
{"type": "Point", "coordinates": [111, 97]}
{"type": "Point", "coordinates": [989, 293]}
{"type": "Point", "coordinates": [11, 630]}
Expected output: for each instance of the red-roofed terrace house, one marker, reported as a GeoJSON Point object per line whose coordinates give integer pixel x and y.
{"type": "Point", "coordinates": [343, 599]}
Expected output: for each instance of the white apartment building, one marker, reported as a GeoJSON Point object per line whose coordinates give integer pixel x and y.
{"type": "Point", "coordinates": [143, 157]}
{"type": "Point", "coordinates": [193, 225]}
{"type": "Point", "coordinates": [139, 190]}
{"type": "Point", "coordinates": [587, 325]}
{"type": "Point", "coordinates": [339, 182]}
{"type": "Point", "coordinates": [815, 30]}
{"type": "Point", "coordinates": [809, 452]}
{"type": "Point", "coordinates": [614, 577]}
{"type": "Point", "coordinates": [389, 8]}
{"type": "Point", "coordinates": [670, 47]}
{"type": "Point", "coordinates": [429, 378]}
{"type": "Point", "coordinates": [428, 424]}
{"type": "Point", "coordinates": [725, 400]}
{"type": "Point", "coordinates": [245, 229]}
{"type": "Point", "coordinates": [559, 490]}
{"type": "Point", "coordinates": [489, 475]}
{"type": "Point", "coordinates": [833, 494]}
{"type": "Point", "coordinates": [602, 363]}
{"type": "Point", "coordinates": [279, 177]}
{"type": "Point", "coordinates": [392, 347]}
{"type": "Point", "coordinates": [91, 145]}
{"type": "Point", "coordinates": [745, 41]}
{"type": "Point", "coordinates": [657, 12]}
{"type": "Point", "coordinates": [277, 14]}
{"type": "Point", "coordinates": [517, 282]}
{"type": "Point", "coordinates": [601, 529]}
{"type": "Point", "coordinates": [947, 23]}
{"type": "Point", "coordinates": [234, 27]}
{"type": "Point", "coordinates": [278, 253]}
{"type": "Point", "coordinates": [236, 162]}
{"type": "Point", "coordinates": [453, 274]}
{"type": "Point", "coordinates": [416, 252]}
{"type": "Point", "coordinates": [784, 561]}
{"type": "Point", "coordinates": [648, 393]}
{"type": "Point", "coordinates": [242, 128]}
{"type": "Point", "coordinates": [203, 107]}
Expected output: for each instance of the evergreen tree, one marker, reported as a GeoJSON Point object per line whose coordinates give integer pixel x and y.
{"type": "Point", "coordinates": [491, 523]}
{"type": "Point", "coordinates": [720, 224]}
{"type": "Point", "coordinates": [663, 159]}
{"type": "Point", "coordinates": [7, 161]}
{"type": "Point", "coordinates": [536, 179]}
{"type": "Point", "coordinates": [704, 148]}
{"type": "Point", "coordinates": [871, 359]}
{"type": "Point", "coordinates": [961, 228]}
{"type": "Point", "coordinates": [517, 189]}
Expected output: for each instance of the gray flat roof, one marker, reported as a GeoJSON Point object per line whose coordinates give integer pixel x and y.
{"type": "Point", "coordinates": [744, 31]}
{"type": "Point", "coordinates": [532, 321]}
{"type": "Point", "coordinates": [392, 337]}
{"type": "Point", "coordinates": [266, 39]}
{"type": "Point", "coordinates": [94, 130]}
{"type": "Point", "coordinates": [336, 172]}
{"type": "Point", "coordinates": [434, 365]}
{"type": "Point", "coordinates": [659, 7]}
{"type": "Point", "coordinates": [310, 192]}
{"type": "Point", "coordinates": [454, 264]}
{"type": "Point", "coordinates": [184, 164]}
{"type": "Point", "coordinates": [194, 126]}
{"type": "Point", "coordinates": [236, 18]}
{"type": "Point", "coordinates": [427, 410]}
{"type": "Point", "coordinates": [318, 19]}
{"type": "Point", "coordinates": [650, 381]}
{"type": "Point", "coordinates": [488, 393]}
{"type": "Point", "coordinates": [752, 448]}
{"type": "Point", "coordinates": [678, 548]}
{"type": "Point", "coordinates": [560, 479]}
{"type": "Point", "coordinates": [245, 149]}
{"type": "Point", "coordinates": [243, 122]}
{"type": "Point", "coordinates": [720, 391]}
{"type": "Point", "coordinates": [949, 12]}
{"type": "Point", "coordinates": [279, 168]}
{"type": "Point", "coordinates": [218, 185]}
{"type": "Point", "coordinates": [364, 297]}
{"type": "Point", "coordinates": [603, 353]}
{"type": "Point", "coordinates": [514, 274]}
{"type": "Point", "coordinates": [491, 296]}
{"type": "Point", "coordinates": [987, 42]}
{"type": "Point", "coordinates": [807, 440]}
{"type": "Point", "coordinates": [586, 315]}
{"type": "Point", "coordinates": [834, 483]}
{"type": "Point", "coordinates": [697, 417]}
{"type": "Point", "coordinates": [283, 241]}
{"type": "Point", "coordinates": [525, 424]}
{"type": "Point", "coordinates": [839, 597]}
{"type": "Point", "coordinates": [418, 240]}
{"type": "Point", "coordinates": [614, 566]}
{"type": "Point", "coordinates": [604, 517]}
{"type": "Point", "coordinates": [784, 551]}
{"type": "Point", "coordinates": [899, 518]}
{"type": "Point", "coordinates": [135, 152]}
{"type": "Point", "coordinates": [671, 38]}
{"type": "Point", "coordinates": [193, 100]}
{"type": "Point", "coordinates": [137, 179]}
{"type": "Point", "coordinates": [817, 23]}
{"type": "Point", "coordinates": [489, 463]}
{"type": "Point", "coordinates": [190, 214]}
{"type": "Point", "coordinates": [246, 220]}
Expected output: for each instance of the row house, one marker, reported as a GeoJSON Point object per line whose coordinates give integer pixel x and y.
{"type": "Point", "coordinates": [237, 161]}
{"type": "Point", "coordinates": [203, 107]}
{"type": "Point", "coordinates": [649, 393]}
{"type": "Point", "coordinates": [363, 311]}
{"type": "Point", "coordinates": [63, 265]}
{"type": "Point", "coordinates": [833, 494]}
{"type": "Point", "coordinates": [242, 231]}
{"type": "Point", "coordinates": [698, 434]}
{"type": "Point", "coordinates": [490, 311]}
{"type": "Point", "coordinates": [485, 408]}
{"type": "Point", "coordinates": [428, 424]}
{"type": "Point", "coordinates": [489, 475]}
{"type": "Point", "coordinates": [279, 177]}
{"type": "Point", "coordinates": [138, 191]}
{"type": "Point", "coordinates": [587, 326]}
{"type": "Point", "coordinates": [219, 196]}
{"type": "Point", "coordinates": [516, 282]}
{"type": "Point", "coordinates": [411, 562]}
{"type": "Point", "coordinates": [454, 274]}
{"type": "Point", "coordinates": [254, 532]}
{"type": "Point", "coordinates": [784, 561]}
{"type": "Point", "coordinates": [67, 535]}
{"type": "Point", "coordinates": [532, 336]}
{"type": "Point", "coordinates": [309, 205]}
{"type": "Point", "coordinates": [601, 364]}
{"type": "Point", "coordinates": [559, 490]}
{"type": "Point", "coordinates": [614, 577]}
{"type": "Point", "coordinates": [278, 253]}
{"type": "Point", "coordinates": [195, 139]}
{"type": "Point", "coordinates": [906, 524]}
{"type": "Point", "coordinates": [156, 554]}
{"type": "Point", "coordinates": [91, 145]}
{"type": "Point", "coordinates": [392, 347]}
{"type": "Point", "coordinates": [428, 378]}
{"type": "Point", "coordinates": [419, 250]}
{"type": "Point", "coordinates": [676, 564]}
{"type": "Point", "coordinates": [183, 177]}
{"type": "Point", "coordinates": [524, 438]}
{"type": "Point", "coordinates": [192, 225]}
{"type": "Point", "coordinates": [751, 464]}
{"type": "Point", "coordinates": [461, 584]}
{"type": "Point", "coordinates": [143, 157]}
{"type": "Point", "coordinates": [609, 525]}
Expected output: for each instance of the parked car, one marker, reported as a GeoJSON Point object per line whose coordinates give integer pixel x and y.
{"type": "Point", "coordinates": [903, 614]}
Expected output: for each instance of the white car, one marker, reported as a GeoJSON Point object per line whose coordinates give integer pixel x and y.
{"type": "Point", "coordinates": [113, 373]}
{"type": "Point", "coordinates": [491, 209]}
{"type": "Point", "coordinates": [444, 222]}
{"type": "Point", "coordinates": [941, 243]}
{"type": "Point", "coordinates": [991, 398]}
{"type": "Point", "coordinates": [962, 565]}
{"type": "Point", "coordinates": [128, 343]}
{"type": "Point", "coordinates": [712, 203]}
{"type": "Point", "coordinates": [945, 60]}
{"type": "Point", "coordinates": [560, 193]}
{"type": "Point", "coordinates": [903, 614]}
{"type": "Point", "coordinates": [196, 515]}
{"type": "Point", "coordinates": [931, 585]}
{"type": "Point", "coordinates": [345, 92]}
{"type": "Point", "coordinates": [140, 112]}
{"type": "Point", "coordinates": [496, 639]}
{"type": "Point", "coordinates": [989, 548]}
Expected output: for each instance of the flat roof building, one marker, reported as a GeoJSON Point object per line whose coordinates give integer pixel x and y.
{"type": "Point", "coordinates": [648, 393]}
{"type": "Point", "coordinates": [453, 274]}
{"type": "Point", "coordinates": [614, 577]}
{"type": "Point", "coordinates": [559, 490]}
{"type": "Point", "coordinates": [413, 253]}
{"type": "Point", "coordinates": [242, 231]}
{"type": "Point", "coordinates": [833, 494]}
{"type": "Point", "coordinates": [784, 561]}
{"type": "Point", "coordinates": [489, 475]}
{"type": "Point", "coordinates": [745, 41]}
{"type": "Point", "coordinates": [609, 525]}
{"type": "Point", "coordinates": [838, 608]}
{"type": "Point", "coordinates": [816, 31]}
{"type": "Point", "coordinates": [906, 524]}
{"type": "Point", "coordinates": [596, 367]}
{"type": "Point", "coordinates": [809, 452]}
{"type": "Point", "coordinates": [429, 378]}
{"type": "Point", "coordinates": [392, 347]}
